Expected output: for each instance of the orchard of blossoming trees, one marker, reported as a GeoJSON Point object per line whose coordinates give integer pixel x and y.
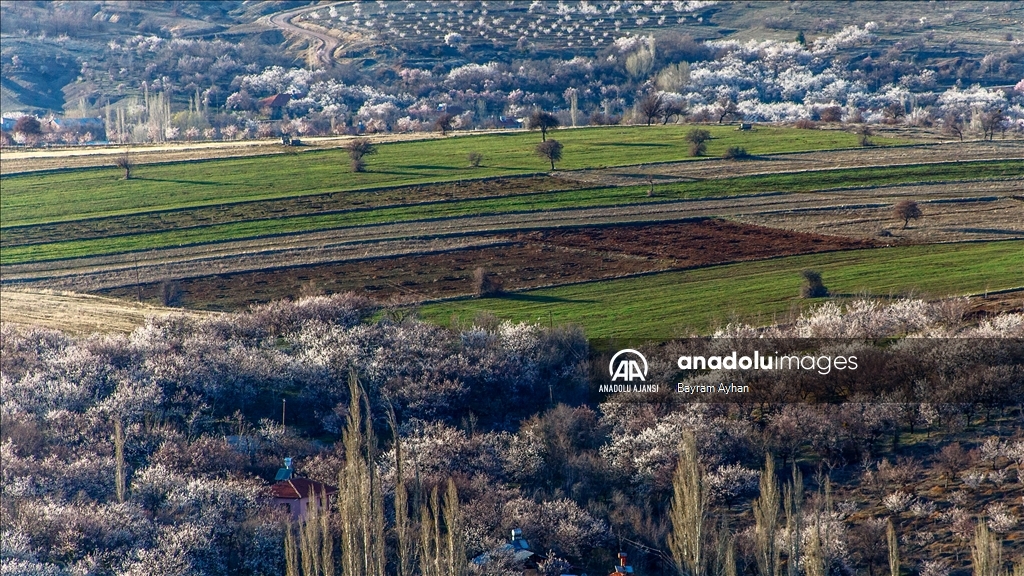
{"type": "Point", "coordinates": [152, 452]}
{"type": "Point", "coordinates": [490, 64]}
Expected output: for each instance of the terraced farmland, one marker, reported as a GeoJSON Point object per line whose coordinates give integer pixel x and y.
{"type": "Point", "coordinates": [221, 234]}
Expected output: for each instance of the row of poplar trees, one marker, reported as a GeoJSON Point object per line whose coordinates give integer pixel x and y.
{"type": "Point", "coordinates": [689, 518]}
{"type": "Point", "coordinates": [428, 530]}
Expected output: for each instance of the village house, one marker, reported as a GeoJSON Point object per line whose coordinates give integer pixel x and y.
{"type": "Point", "coordinates": [296, 495]}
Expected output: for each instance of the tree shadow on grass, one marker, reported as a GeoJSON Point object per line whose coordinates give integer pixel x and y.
{"type": "Point", "coordinates": [541, 299]}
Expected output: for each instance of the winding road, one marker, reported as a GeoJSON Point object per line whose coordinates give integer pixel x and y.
{"type": "Point", "coordinates": [327, 43]}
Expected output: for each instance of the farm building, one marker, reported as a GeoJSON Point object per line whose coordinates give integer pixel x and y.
{"type": "Point", "coordinates": [273, 106]}
{"type": "Point", "coordinates": [296, 495]}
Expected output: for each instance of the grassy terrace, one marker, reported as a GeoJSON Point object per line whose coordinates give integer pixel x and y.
{"type": "Point", "coordinates": [114, 242]}
{"type": "Point", "coordinates": [679, 303]}
{"type": "Point", "coordinates": [75, 194]}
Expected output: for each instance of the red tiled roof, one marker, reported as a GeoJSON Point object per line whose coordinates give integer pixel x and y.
{"type": "Point", "coordinates": [300, 488]}
{"type": "Point", "coordinates": [275, 101]}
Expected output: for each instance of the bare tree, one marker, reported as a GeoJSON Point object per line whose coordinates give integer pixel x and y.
{"type": "Point", "coordinates": [766, 520]}
{"type": "Point", "coordinates": [671, 109]}
{"type": "Point", "coordinates": [865, 136]}
{"type": "Point", "coordinates": [542, 121]}
{"type": "Point", "coordinates": [28, 125]}
{"type": "Point", "coordinates": [987, 552]}
{"type": "Point", "coordinates": [455, 527]}
{"type": "Point", "coordinates": [953, 124]}
{"type": "Point", "coordinates": [906, 210]}
{"type": "Point", "coordinates": [551, 150]}
{"type": "Point", "coordinates": [125, 162]}
{"type": "Point", "coordinates": [444, 123]}
{"type": "Point", "coordinates": [119, 475]}
{"type": "Point", "coordinates": [360, 500]}
{"type": "Point", "coordinates": [793, 499]}
{"type": "Point", "coordinates": [894, 549]}
{"type": "Point", "coordinates": [726, 108]}
{"type": "Point", "coordinates": [651, 106]}
{"type": "Point", "coordinates": [992, 121]}
{"type": "Point", "coordinates": [688, 512]}
{"type": "Point", "coordinates": [357, 149]}
{"type": "Point", "coordinates": [893, 112]}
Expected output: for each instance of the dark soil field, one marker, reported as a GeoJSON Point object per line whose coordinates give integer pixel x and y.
{"type": "Point", "coordinates": [521, 261]}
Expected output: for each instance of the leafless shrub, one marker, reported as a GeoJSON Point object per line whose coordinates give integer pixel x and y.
{"type": "Point", "coordinates": [125, 162]}
{"type": "Point", "coordinates": [806, 124]}
{"type": "Point", "coordinates": [486, 283]}
{"type": "Point", "coordinates": [357, 149]}
{"type": "Point", "coordinates": [475, 158]}
{"type": "Point", "coordinates": [831, 114]}
{"type": "Point", "coordinates": [698, 138]}
{"type": "Point", "coordinates": [736, 153]}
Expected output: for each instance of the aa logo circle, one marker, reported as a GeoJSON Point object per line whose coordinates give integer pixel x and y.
{"type": "Point", "coordinates": [625, 366]}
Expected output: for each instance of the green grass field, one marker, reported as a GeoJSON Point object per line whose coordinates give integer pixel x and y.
{"type": "Point", "coordinates": [236, 230]}
{"type": "Point", "coordinates": [681, 303]}
{"type": "Point", "coordinates": [87, 193]}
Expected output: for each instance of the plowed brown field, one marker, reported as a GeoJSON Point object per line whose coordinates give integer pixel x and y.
{"type": "Point", "coordinates": [523, 260]}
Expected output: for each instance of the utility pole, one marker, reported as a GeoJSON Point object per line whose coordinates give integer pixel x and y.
{"type": "Point", "coordinates": [283, 404]}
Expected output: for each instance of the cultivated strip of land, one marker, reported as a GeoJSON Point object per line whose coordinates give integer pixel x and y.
{"type": "Point", "coordinates": [113, 242]}
{"type": "Point", "coordinates": [987, 208]}
{"type": "Point", "coordinates": [693, 301]}
{"type": "Point", "coordinates": [73, 195]}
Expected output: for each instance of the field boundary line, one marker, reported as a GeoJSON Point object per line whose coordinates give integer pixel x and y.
{"type": "Point", "coordinates": [726, 263]}
{"type": "Point", "coordinates": [15, 227]}
{"type": "Point", "coordinates": [524, 176]}
{"type": "Point", "coordinates": [555, 210]}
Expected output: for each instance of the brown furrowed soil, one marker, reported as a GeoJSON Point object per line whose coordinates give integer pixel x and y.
{"type": "Point", "coordinates": [521, 260]}
{"type": "Point", "coordinates": [952, 212]}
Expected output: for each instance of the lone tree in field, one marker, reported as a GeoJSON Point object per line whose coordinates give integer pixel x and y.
{"type": "Point", "coordinates": [651, 107]}
{"type": "Point", "coordinates": [444, 123]}
{"type": "Point", "coordinates": [698, 141]}
{"type": "Point", "coordinates": [357, 149]}
{"type": "Point", "coordinates": [543, 121]}
{"type": "Point", "coordinates": [865, 136]}
{"type": "Point", "coordinates": [551, 150]}
{"type": "Point", "coordinates": [125, 162]}
{"type": "Point", "coordinates": [813, 286]}
{"type": "Point", "coordinates": [906, 210]}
